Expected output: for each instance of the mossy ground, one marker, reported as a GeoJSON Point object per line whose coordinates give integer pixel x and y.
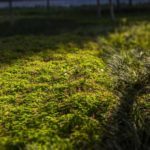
{"type": "Point", "coordinates": [58, 89]}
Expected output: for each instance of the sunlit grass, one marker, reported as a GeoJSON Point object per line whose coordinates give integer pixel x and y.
{"type": "Point", "coordinates": [61, 85]}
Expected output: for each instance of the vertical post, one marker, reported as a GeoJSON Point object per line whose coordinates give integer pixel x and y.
{"type": "Point", "coordinates": [47, 4]}
{"type": "Point", "coordinates": [10, 11]}
{"type": "Point", "coordinates": [98, 8]}
{"type": "Point", "coordinates": [130, 3]}
{"type": "Point", "coordinates": [10, 6]}
{"type": "Point", "coordinates": [111, 10]}
{"type": "Point", "coordinates": [118, 4]}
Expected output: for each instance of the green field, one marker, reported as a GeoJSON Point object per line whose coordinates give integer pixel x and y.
{"type": "Point", "coordinates": [71, 80]}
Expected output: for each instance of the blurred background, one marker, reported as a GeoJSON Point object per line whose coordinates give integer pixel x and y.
{"type": "Point", "coordinates": [67, 3]}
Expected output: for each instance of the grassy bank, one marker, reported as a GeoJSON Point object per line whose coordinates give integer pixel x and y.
{"type": "Point", "coordinates": [74, 81]}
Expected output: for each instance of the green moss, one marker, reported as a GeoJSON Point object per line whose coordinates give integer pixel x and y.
{"type": "Point", "coordinates": [57, 91]}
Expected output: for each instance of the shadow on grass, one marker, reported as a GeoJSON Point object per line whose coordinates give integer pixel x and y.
{"type": "Point", "coordinates": [123, 131]}
{"type": "Point", "coordinates": [29, 35]}
{"type": "Point", "coordinates": [30, 32]}
{"type": "Point", "coordinates": [37, 26]}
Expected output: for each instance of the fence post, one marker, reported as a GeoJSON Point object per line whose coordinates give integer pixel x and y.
{"type": "Point", "coordinates": [111, 10]}
{"type": "Point", "coordinates": [130, 3]}
{"type": "Point", "coordinates": [11, 17]}
{"type": "Point", "coordinates": [10, 6]}
{"type": "Point", "coordinates": [98, 8]}
{"type": "Point", "coordinates": [47, 4]}
{"type": "Point", "coordinates": [118, 4]}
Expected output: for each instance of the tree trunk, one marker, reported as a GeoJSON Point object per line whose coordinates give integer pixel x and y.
{"type": "Point", "coordinates": [111, 10]}
{"type": "Point", "coordinates": [98, 8]}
